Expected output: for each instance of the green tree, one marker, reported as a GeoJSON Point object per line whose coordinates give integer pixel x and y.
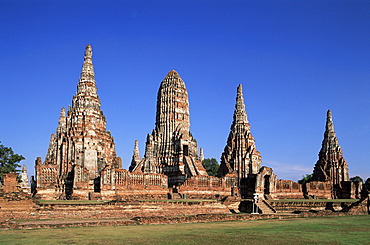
{"type": "Point", "coordinates": [357, 178]}
{"type": "Point", "coordinates": [305, 179]}
{"type": "Point", "coordinates": [211, 166]}
{"type": "Point", "coordinates": [8, 161]}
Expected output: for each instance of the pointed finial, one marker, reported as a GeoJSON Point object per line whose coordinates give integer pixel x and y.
{"type": "Point", "coordinates": [240, 90]}
{"type": "Point", "coordinates": [136, 156]}
{"type": "Point", "coordinates": [87, 67]}
{"type": "Point", "coordinates": [88, 52]}
{"type": "Point", "coordinates": [240, 114]}
{"type": "Point", "coordinates": [201, 154]}
{"type": "Point", "coordinates": [172, 73]}
{"type": "Point", "coordinates": [63, 112]}
{"type": "Point", "coordinates": [329, 122]}
{"type": "Point", "coordinates": [62, 120]}
{"type": "Point", "coordinates": [136, 147]}
{"type": "Point", "coordinates": [329, 115]}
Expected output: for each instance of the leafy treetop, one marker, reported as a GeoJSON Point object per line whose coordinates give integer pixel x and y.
{"type": "Point", "coordinates": [357, 178]}
{"type": "Point", "coordinates": [211, 165]}
{"type": "Point", "coordinates": [8, 161]}
{"type": "Point", "coordinates": [305, 179]}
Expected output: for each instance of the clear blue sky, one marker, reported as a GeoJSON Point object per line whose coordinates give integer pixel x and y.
{"type": "Point", "coordinates": [295, 59]}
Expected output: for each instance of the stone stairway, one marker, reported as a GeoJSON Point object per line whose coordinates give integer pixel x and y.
{"type": "Point", "coordinates": [268, 197]}
{"type": "Point", "coordinates": [265, 208]}
{"type": "Point", "coordinates": [191, 166]}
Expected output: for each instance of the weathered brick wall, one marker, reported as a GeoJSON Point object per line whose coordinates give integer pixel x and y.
{"type": "Point", "coordinates": [114, 184]}
{"type": "Point", "coordinates": [319, 189]}
{"type": "Point", "coordinates": [46, 175]}
{"type": "Point", "coordinates": [206, 187]}
{"type": "Point", "coordinates": [20, 206]}
{"type": "Point", "coordinates": [10, 182]}
{"type": "Point", "coordinates": [15, 205]}
{"type": "Point", "coordinates": [223, 217]}
{"type": "Point", "coordinates": [287, 189]}
{"type": "Point", "coordinates": [118, 209]}
{"type": "Point", "coordinates": [11, 224]}
{"type": "Point", "coordinates": [307, 206]}
{"type": "Point", "coordinates": [351, 189]}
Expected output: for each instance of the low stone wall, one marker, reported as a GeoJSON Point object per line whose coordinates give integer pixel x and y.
{"type": "Point", "coordinates": [117, 209]}
{"type": "Point", "coordinates": [204, 194]}
{"type": "Point", "coordinates": [10, 182]}
{"type": "Point", "coordinates": [287, 195]}
{"type": "Point", "coordinates": [307, 206]}
{"type": "Point", "coordinates": [20, 206]}
{"type": "Point", "coordinates": [13, 224]}
{"type": "Point", "coordinates": [318, 189]}
{"type": "Point", "coordinates": [16, 201]}
{"type": "Point", "coordinates": [287, 189]}
{"type": "Point", "coordinates": [224, 217]}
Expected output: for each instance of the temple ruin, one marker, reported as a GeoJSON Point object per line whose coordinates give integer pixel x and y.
{"type": "Point", "coordinates": [81, 162]}
{"type": "Point", "coordinates": [81, 147]}
{"type": "Point", "coordinates": [170, 148]}
{"type": "Point", "coordinates": [240, 157]}
{"type": "Point", "coordinates": [331, 169]}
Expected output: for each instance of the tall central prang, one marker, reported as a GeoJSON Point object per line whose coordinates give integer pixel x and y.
{"type": "Point", "coordinates": [171, 148]}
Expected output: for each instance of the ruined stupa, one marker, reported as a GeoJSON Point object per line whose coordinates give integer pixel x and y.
{"type": "Point", "coordinates": [241, 158]}
{"type": "Point", "coordinates": [170, 148]}
{"type": "Point", "coordinates": [81, 146]}
{"type": "Point", "coordinates": [25, 183]}
{"type": "Point", "coordinates": [331, 165]}
{"type": "Point", "coordinates": [240, 155]}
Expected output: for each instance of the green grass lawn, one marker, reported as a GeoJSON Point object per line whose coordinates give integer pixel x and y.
{"type": "Point", "coordinates": [322, 230]}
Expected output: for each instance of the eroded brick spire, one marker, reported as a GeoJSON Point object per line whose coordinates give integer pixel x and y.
{"type": "Point", "coordinates": [240, 115]}
{"type": "Point", "coordinates": [135, 157]}
{"type": "Point", "coordinates": [87, 83]}
{"type": "Point", "coordinates": [240, 155]}
{"type": "Point", "coordinates": [331, 165]}
{"type": "Point", "coordinates": [86, 98]}
{"type": "Point", "coordinates": [329, 124]}
{"type": "Point", "coordinates": [172, 104]}
{"type": "Point", "coordinates": [88, 67]}
{"type": "Point", "coordinates": [171, 148]}
{"type": "Point", "coordinates": [82, 146]}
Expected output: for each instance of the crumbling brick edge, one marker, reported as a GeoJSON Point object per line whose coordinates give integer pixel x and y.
{"type": "Point", "coordinates": [8, 224]}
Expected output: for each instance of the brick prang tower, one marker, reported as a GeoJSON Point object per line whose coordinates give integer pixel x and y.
{"type": "Point", "coordinates": [81, 146]}
{"type": "Point", "coordinates": [171, 148]}
{"type": "Point", "coordinates": [331, 165]}
{"type": "Point", "coordinates": [240, 155]}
